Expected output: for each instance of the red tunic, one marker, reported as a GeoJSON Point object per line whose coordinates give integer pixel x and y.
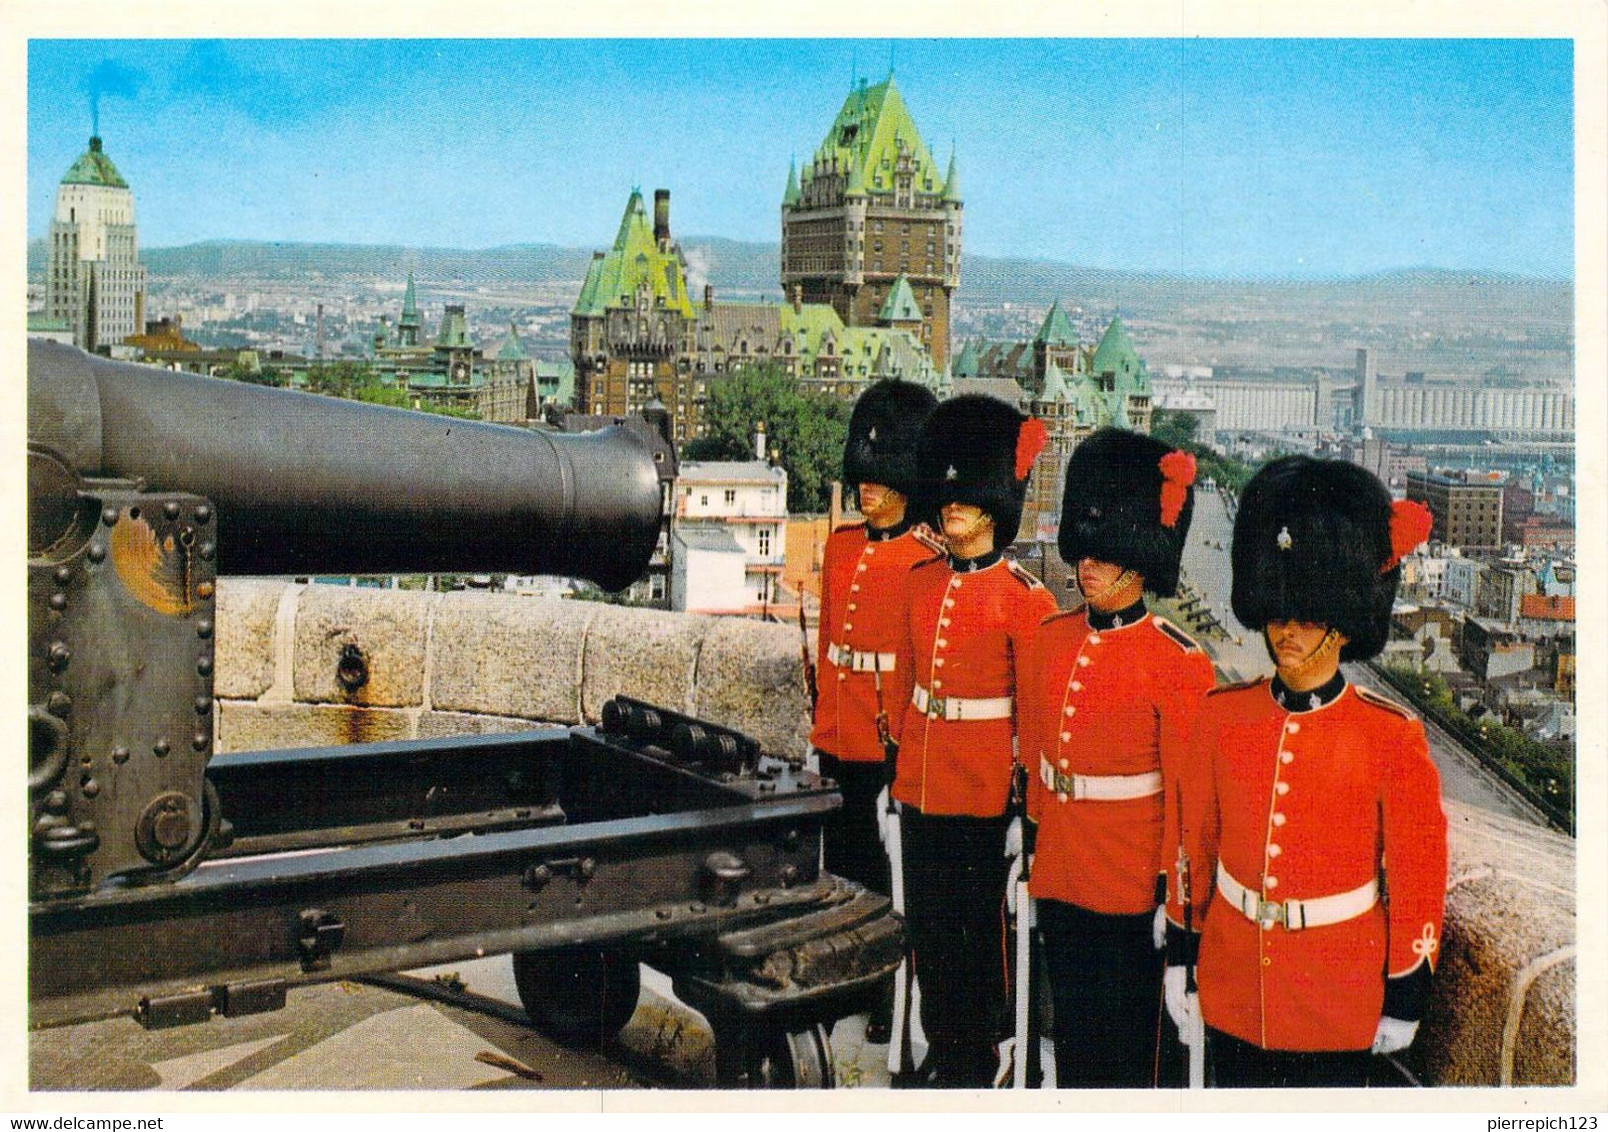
{"type": "Point", "coordinates": [862, 610]}
{"type": "Point", "coordinates": [1303, 805]}
{"type": "Point", "coordinates": [967, 634]}
{"type": "Point", "coordinates": [1105, 702]}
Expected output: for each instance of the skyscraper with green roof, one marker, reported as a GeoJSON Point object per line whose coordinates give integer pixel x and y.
{"type": "Point", "coordinates": [871, 215]}
{"type": "Point", "coordinates": [94, 282]}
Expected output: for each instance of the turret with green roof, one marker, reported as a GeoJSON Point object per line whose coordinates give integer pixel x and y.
{"type": "Point", "coordinates": [408, 325]}
{"type": "Point", "coordinates": [790, 198]}
{"type": "Point", "coordinates": [1115, 356]}
{"type": "Point", "coordinates": [614, 278]}
{"type": "Point", "coordinates": [901, 305]}
{"type": "Point", "coordinates": [93, 167]}
{"type": "Point", "coordinates": [512, 350]}
{"type": "Point", "coordinates": [1056, 329]}
{"type": "Point", "coordinates": [871, 133]}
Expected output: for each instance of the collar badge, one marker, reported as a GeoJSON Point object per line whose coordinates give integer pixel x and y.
{"type": "Point", "coordinates": [951, 474]}
{"type": "Point", "coordinates": [1284, 540]}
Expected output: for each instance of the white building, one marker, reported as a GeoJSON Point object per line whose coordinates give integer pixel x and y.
{"type": "Point", "coordinates": [708, 572]}
{"type": "Point", "coordinates": [94, 282]}
{"type": "Point", "coordinates": [748, 501]}
{"type": "Point", "coordinates": [1462, 581]}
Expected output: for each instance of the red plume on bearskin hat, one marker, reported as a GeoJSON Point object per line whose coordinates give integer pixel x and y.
{"type": "Point", "coordinates": [883, 428]}
{"type": "Point", "coordinates": [971, 450]}
{"type": "Point", "coordinates": [1312, 542]}
{"type": "Point", "coordinates": [1128, 500]}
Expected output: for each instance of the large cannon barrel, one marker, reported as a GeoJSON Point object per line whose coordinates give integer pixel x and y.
{"type": "Point", "coordinates": [310, 484]}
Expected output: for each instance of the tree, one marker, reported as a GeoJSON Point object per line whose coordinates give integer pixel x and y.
{"type": "Point", "coordinates": [807, 430]}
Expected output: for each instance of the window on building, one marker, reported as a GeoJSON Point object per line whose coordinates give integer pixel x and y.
{"type": "Point", "coordinates": [703, 500]}
{"type": "Point", "coordinates": [731, 496]}
{"type": "Point", "coordinates": [764, 542]}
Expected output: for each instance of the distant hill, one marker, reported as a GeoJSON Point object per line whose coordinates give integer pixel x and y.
{"type": "Point", "coordinates": [735, 265]}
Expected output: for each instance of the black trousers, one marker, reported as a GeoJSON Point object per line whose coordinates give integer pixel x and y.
{"type": "Point", "coordinates": [853, 849]}
{"type": "Point", "coordinates": [1241, 1065]}
{"type": "Point", "coordinates": [954, 870]}
{"type": "Point", "coordinates": [1105, 983]}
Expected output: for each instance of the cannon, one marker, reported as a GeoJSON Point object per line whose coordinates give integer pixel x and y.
{"type": "Point", "coordinates": [173, 889]}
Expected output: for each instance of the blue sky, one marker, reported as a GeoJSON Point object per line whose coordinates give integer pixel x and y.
{"type": "Point", "coordinates": [1299, 158]}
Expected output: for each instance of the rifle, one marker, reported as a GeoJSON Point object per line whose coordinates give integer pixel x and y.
{"type": "Point", "coordinates": [1026, 1072]}
{"type": "Point", "coordinates": [1196, 1040]}
{"type": "Point", "coordinates": [804, 654]}
{"type": "Point", "coordinates": [901, 1060]}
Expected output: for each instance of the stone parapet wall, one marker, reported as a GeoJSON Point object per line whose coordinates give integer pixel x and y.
{"type": "Point", "coordinates": [443, 663]}
{"type": "Point", "coordinates": [1504, 1011]}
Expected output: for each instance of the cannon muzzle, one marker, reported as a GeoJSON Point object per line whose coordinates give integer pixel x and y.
{"type": "Point", "coordinates": [309, 484]}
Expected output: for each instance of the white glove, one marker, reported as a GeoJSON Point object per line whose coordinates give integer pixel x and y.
{"type": "Point", "coordinates": [1013, 838]}
{"type": "Point", "coordinates": [1007, 1063]}
{"type": "Point", "coordinates": [1013, 877]}
{"type": "Point", "coordinates": [1182, 1005]}
{"type": "Point", "coordinates": [884, 816]}
{"type": "Point", "coordinates": [1158, 927]}
{"type": "Point", "coordinates": [1394, 1035]}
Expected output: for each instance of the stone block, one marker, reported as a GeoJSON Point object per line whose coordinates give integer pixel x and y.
{"type": "Point", "coordinates": [246, 611]}
{"type": "Point", "coordinates": [644, 653]}
{"type": "Point", "coordinates": [750, 678]}
{"type": "Point", "coordinates": [390, 627]}
{"type": "Point", "coordinates": [440, 724]}
{"type": "Point", "coordinates": [1544, 1052]}
{"type": "Point", "coordinates": [498, 654]}
{"type": "Point", "coordinates": [244, 726]}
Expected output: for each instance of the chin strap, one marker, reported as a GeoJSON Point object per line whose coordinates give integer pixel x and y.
{"type": "Point", "coordinates": [1124, 580]}
{"type": "Point", "coordinates": [1326, 647]}
{"type": "Point", "coordinates": [971, 532]}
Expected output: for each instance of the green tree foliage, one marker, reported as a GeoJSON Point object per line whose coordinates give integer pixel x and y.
{"type": "Point", "coordinates": [251, 375]}
{"type": "Point", "coordinates": [353, 381]}
{"type": "Point", "coordinates": [807, 429]}
{"type": "Point", "coordinates": [1179, 429]}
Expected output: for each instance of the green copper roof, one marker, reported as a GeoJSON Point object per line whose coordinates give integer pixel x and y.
{"type": "Point", "coordinates": [952, 180]}
{"type": "Point", "coordinates": [966, 364]}
{"type": "Point", "coordinates": [1116, 355]}
{"type": "Point", "coordinates": [791, 196]}
{"type": "Point", "coordinates": [1057, 328]}
{"type": "Point", "coordinates": [410, 304]}
{"type": "Point", "coordinates": [866, 138]}
{"type": "Point", "coordinates": [93, 167]}
{"type": "Point", "coordinates": [866, 352]}
{"type": "Point", "coordinates": [454, 329]}
{"type": "Point", "coordinates": [901, 305]}
{"type": "Point", "coordinates": [612, 279]}
{"type": "Point", "coordinates": [512, 350]}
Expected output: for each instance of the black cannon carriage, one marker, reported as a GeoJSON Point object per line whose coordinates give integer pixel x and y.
{"type": "Point", "coordinates": [176, 889]}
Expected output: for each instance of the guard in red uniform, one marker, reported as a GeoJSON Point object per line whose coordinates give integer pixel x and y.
{"type": "Point", "coordinates": [1315, 841]}
{"type": "Point", "coordinates": [1106, 702]}
{"type": "Point", "coordinates": [863, 686]}
{"type": "Point", "coordinates": [972, 615]}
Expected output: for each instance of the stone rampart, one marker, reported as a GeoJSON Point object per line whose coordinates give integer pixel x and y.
{"type": "Point", "coordinates": [438, 664]}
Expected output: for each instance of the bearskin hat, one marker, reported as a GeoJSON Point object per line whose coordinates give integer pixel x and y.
{"type": "Point", "coordinates": [979, 450]}
{"type": "Point", "coordinates": [1128, 501]}
{"type": "Point", "coordinates": [1320, 541]}
{"type": "Point", "coordinates": [883, 428]}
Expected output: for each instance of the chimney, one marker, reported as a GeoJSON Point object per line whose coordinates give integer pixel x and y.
{"type": "Point", "coordinates": [661, 218]}
{"type": "Point", "coordinates": [709, 296]}
{"type": "Point", "coordinates": [759, 440]}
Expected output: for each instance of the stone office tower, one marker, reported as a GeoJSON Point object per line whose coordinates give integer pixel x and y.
{"type": "Point", "coordinates": [94, 282]}
{"type": "Point", "coordinates": [870, 211]}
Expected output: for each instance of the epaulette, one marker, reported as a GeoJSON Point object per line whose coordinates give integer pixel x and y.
{"type": "Point", "coordinates": [1240, 687]}
{"type": "Point", "coordinates": [1182, 639]}
{"type": "Point", "coordinates": [1060, 613]}
{"type": "Point", "coordinates": [1023, 574]}
{"type": "Point", "coordinates": [1369, 696]}
{"type": "Point", "coordinates": [927, 539]}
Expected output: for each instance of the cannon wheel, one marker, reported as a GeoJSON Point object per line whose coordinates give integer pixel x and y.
{"type": "Point", "coordinates": [581, 996]}
{"type": "Point", "coordinates": [775, 1058]}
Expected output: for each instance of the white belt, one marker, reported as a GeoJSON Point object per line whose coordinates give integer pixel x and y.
{"type": "Point", "coordinates": [860, 661]}
{"type": "Point", "coordinates": [1317, 912]}
{"type": "Point", "coordinates": [951, 708]}
{"type": "Point", "coordinates": [1100, 787]}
